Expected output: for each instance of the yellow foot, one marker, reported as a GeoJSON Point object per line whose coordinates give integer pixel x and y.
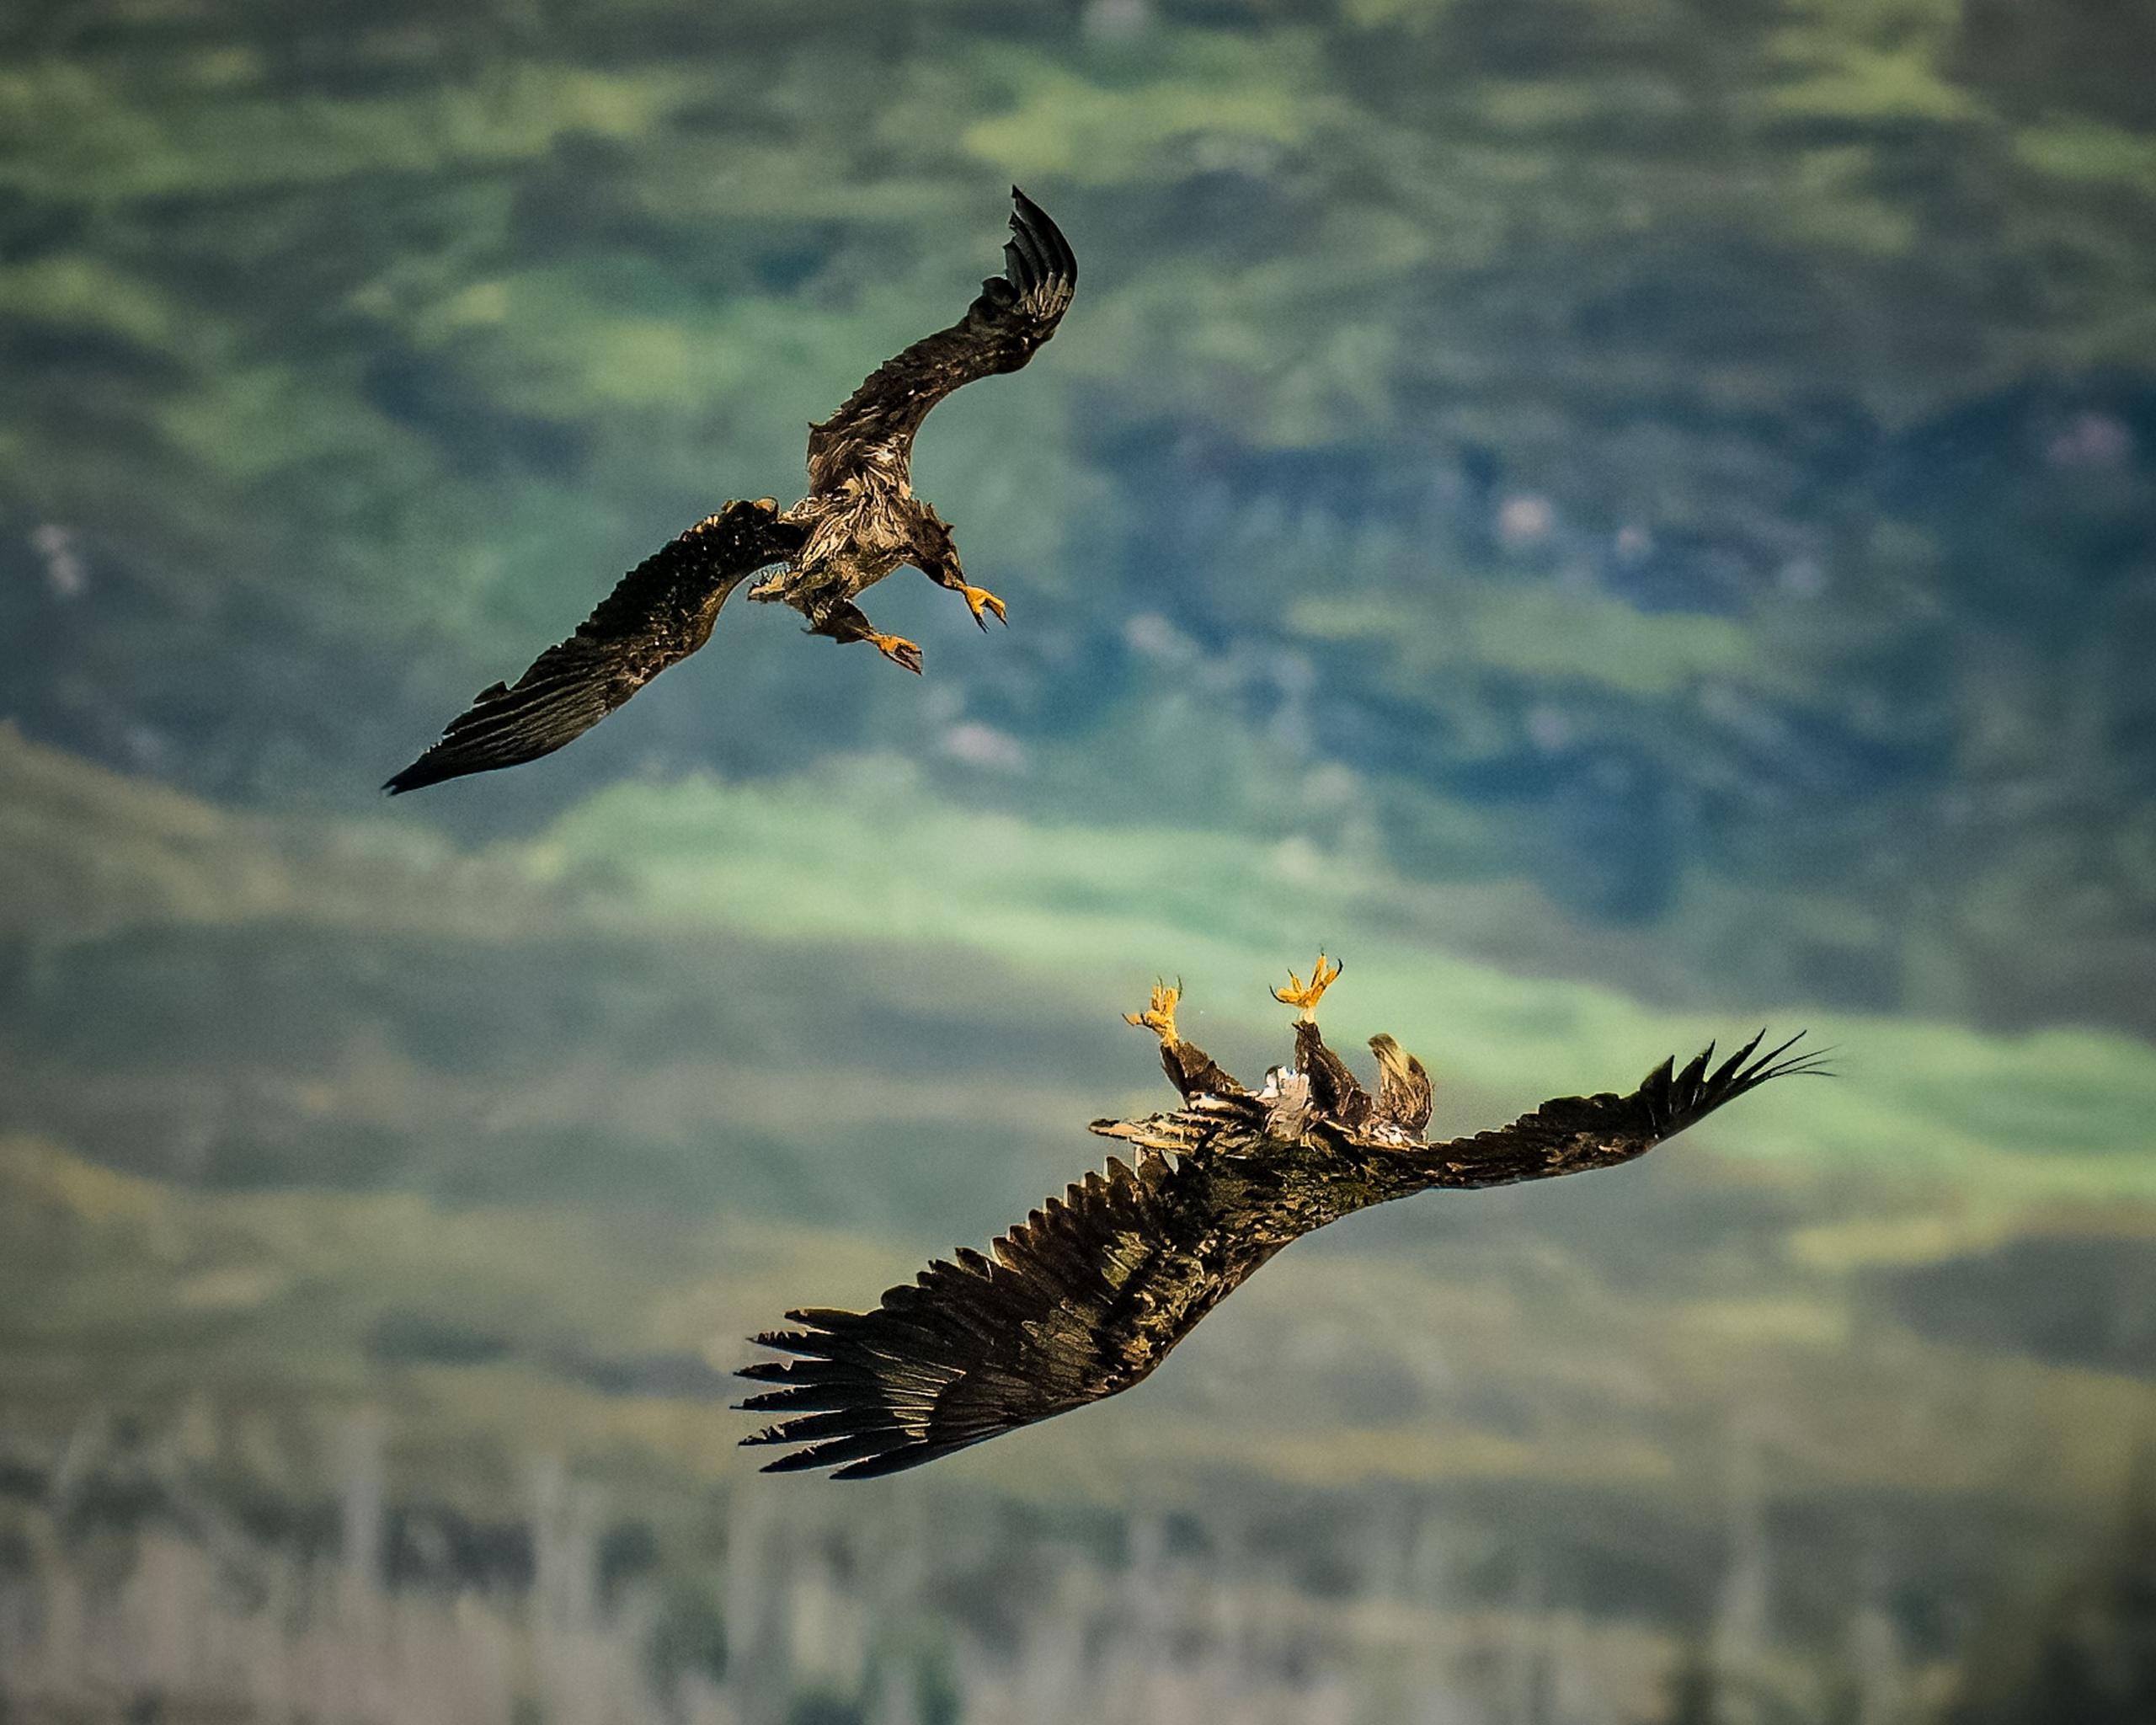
{"type": "Point", "coordinates": [899, 650]}
{"type": "Point", "coordinates": [979, 599]}
{"type": "Point", "coordinates": [1296, 995]}
{"type": "Point", "coordinates": [1158, 1017]}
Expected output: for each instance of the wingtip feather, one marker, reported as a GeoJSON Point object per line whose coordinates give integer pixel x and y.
{"type": "Point", "coordinates": [416, 777]}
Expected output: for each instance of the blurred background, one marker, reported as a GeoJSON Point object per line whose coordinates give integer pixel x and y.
{"type": "Point", "coordinates": [1626, 520]}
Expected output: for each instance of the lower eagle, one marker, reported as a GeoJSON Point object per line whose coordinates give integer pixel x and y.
{"type": "Point", "coordinates": [1085, 1297]}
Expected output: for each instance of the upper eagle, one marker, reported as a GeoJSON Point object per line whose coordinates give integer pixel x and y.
{"type": "Point", "coordinates": [859, 520]}
{"type": "Point", "coordinates": [1087, 1295]}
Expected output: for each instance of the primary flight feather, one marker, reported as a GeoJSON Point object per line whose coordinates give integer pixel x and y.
{"type": "Point", "coordinates": [1089, 1294]}
{"type": "Point", "coordinates": [859, 521]}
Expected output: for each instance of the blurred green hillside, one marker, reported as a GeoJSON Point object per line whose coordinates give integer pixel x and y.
{"type": "Point", "coordinates": [1695, 459]}
{"type": "Point", "coordinates": [1626, 519]}
{"type": "Point", "coordinates": [309, 1116]}
{"type": "Point", "coordinates": [319, 1112]}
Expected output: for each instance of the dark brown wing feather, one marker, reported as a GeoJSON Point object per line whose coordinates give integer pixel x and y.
{"type": "Point", "coordinates": [658, 614]}
{"type": "Point", "coordinates": [1335, 1091]}
{"type": "Point", "coordinates": [1080, 1301]}
{"type": "Point", "coordinates": [1572, 1133]}
{"type": "Point", "coordinates": [1016, 311]}
{"type": "Point", "coordinates": [1405, 1092]}
{"type": "Point", "coordinates": [1195, 1073]}
{"type": "Point", "coordinates": [1087, 1295]}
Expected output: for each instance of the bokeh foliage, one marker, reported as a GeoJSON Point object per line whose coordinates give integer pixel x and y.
{"type": "Point", "coordinates": [1697, 459]}
{"type": "Point", "coordinates": [1625, 517]}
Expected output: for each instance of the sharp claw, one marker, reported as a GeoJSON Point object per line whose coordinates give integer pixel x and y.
{"type": "Point", "coordinates": [1159, 1014]}
{"type": "Point", "coordinates": [900, 651]}
{"type": "Point", "coordinates": [980, 602]}
{"type": "Point", "coordinates": [1305, 996]}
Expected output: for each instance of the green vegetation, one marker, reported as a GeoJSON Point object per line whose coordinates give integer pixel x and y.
{"type": "Point", "coordinates": [556, 1126]}
{"type": "Point", "coordinates": [1666, 454]}
{"type": "Point", "coordinates": [1624, 519]}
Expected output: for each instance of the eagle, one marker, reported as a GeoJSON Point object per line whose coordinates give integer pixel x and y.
{"type": "Point", "coordinates": [1083, 1299]}
{"type": "Point", "coordinates": [859, 521]}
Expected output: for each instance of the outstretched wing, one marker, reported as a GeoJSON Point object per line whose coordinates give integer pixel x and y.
{"type": "Point", "coordinates": [660, 612]}
{"type": "Point", "coordinates": [1079, 1302]}
{"type": "Point", "coordinates": [1014, 313]}
{"type": "Point", "coordinates": [1572, 1133]}
{"type": "Point", "coordinates": [1088, 1295]}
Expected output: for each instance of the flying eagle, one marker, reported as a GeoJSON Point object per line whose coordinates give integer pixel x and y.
{"type": "Point", "coordinates": [859, 521]}
{"type": "Point", "coordinates": [1087, 1295]}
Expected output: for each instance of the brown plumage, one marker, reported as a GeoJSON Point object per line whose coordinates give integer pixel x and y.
{"type": "Point", "coordinates": [1090, 1292]}
{"type": "Point", "coordinates": [859, 521]}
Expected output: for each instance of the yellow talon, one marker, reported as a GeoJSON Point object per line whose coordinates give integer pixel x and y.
{"type": "Point", "coordinates": [1295, 993]}
{"type": "Point", "coordinates": [1160, 1017]}
{"type": "Point", "coordinates": [899, 650]}
{"type": "Point", "coordinates": [980, 598]}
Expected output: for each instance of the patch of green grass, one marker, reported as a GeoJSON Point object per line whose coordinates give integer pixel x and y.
{"type": "Point", "coordinates": [107, 138]}
{"type": "Point", "coordinates": [1545, 632]}
{"type": "Point", "coordinates": [866, 855]}
{"type": "Point", "coordinates": [2090, 152]}
{"type": "Point", "coordinates": [1197, 86]}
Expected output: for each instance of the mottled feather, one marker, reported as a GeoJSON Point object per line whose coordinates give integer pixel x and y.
{"type": "Point", "coordinates": [1572, 1133]}
{"type": "Point", "coordinates": [1405, 1092]}
{"type": "Point", "coordinates": [858, 521]}
{"type": "Point", "coordinates": [1013, 314]}
{"type": "Point", "coordinates": [658, 614]}
{"type": "Point", "coordinates": [1085, 1298]}
{"type": "Point", "coordinates": [1335, 1091]}
{"type": "Point", "coordinates": [1077, 1302]}
{"type": "Point", "coordinates": [1193, 1072]}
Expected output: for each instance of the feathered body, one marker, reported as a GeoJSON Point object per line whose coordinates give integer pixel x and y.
{"type": "Point", "coordinates": [1088, 1296]}
{"type": "Point", "coordinates": [859, 521]}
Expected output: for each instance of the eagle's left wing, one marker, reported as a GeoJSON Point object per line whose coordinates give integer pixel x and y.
{"type": "Point", "coordinates": [1570, 1134]}
{"type": "Point", "coordinates": [1079, 1302]}
{"type": "Point", "coordinates": [1014, 313]}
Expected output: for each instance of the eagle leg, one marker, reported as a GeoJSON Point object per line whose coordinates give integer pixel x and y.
{"type": "Point", "coordinates": [979, 600]}
{"type": "Point", "coordinates": [1190, 1069]}
{"type": "Point", "coordinates": [1159, 1014]}
{"type": "Point", "coordinates": [846, 622]}
{"type": "Point", "coordinates": [1334, 1088]}
{"type": "Point", "coordinates": [1306, 997]}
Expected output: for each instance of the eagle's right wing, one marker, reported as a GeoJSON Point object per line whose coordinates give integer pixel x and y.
{"type": "Point", "coordinates": [1010, 318]}
{"type": "Point", "coordinates": [1079, 1302]}
{"type": "Point", "coordinates": [659, 613]}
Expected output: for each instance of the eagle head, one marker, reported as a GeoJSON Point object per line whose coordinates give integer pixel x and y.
{"type": "Point", "coordinates": [1403, 1088]}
